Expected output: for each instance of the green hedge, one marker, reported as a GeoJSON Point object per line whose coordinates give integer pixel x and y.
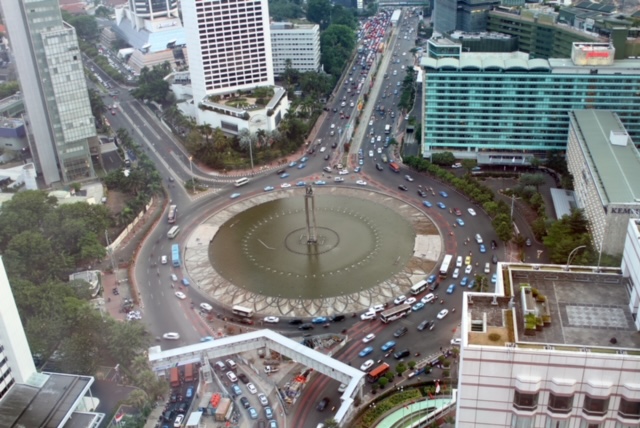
{"type": "Point", "coordinates": [386, 405]}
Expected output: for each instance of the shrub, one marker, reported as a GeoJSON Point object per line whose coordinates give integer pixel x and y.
{"type": "Point", "coordinates": [494, 337]}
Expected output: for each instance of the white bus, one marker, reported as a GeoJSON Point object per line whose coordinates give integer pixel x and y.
{"type": "Point", "coordinates": [444, 268]}
{"type": "Point", "coordinates": [419, 287]}
{"type": "Point", "coordinates": [395, 313]}
{"type": "Point", "coordinates": [173, 232]}
{"type": "Point", "coordinates": [242, 311]}
{"type": "Point", "coordinates": [241, 181]}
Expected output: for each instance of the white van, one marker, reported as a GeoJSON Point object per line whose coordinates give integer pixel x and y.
{"type": "Point", "coordinates": [478, 238]}
{"type": "Point", "coordinates": [487, 267]}
{"type": "Point", "coordinates": [241, 181]}
{"type": "Point", "coordinates": [459, 261]}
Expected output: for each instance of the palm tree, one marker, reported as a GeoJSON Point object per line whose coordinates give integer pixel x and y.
{"type": "Point", "coordinates": [207, 130]}
{"type": "Point", "coordinates": [138, 399]}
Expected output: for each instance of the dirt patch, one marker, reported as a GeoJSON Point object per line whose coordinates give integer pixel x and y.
{"type": "Point", "coordinates": [116, 201]}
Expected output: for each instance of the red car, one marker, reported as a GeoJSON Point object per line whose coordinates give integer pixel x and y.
{"type": "Point", "coordinates": [457, 211]}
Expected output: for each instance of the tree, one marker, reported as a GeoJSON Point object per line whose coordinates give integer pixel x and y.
{"type": "Point", "coordinates": [343, 16]}
{"type": "Point", "coordinates": [9, 88]}
{"type": "Point", "coordinates": [86, 25]}
{"type": "Point", "coordinates": [535, 180]}
{"type": "Point", "coordinates": [319, 12]}
{"type": "Point", "coordinates": [443, 158]}
{"type": "Point", "coordinates": [31, 256]}
{"type": "Point", "coordinates": [152, 84]}
{"type": "Point", "coordinates": [138, 399]}
{"type": "Point", "coordinates": [331, 423]}
{"type": "Point", "coordinates": [566, 234]}
{"type": "Point", "coordinates": [401, 368]}
{"type": "Point", "coordinates": [126, 340]}
{"type": "Point", "coordinates": [382, 382]}
{"type": "Point", "coordinates": [336, 44]}
{"type": "Point", "coordinates": [468, 165]}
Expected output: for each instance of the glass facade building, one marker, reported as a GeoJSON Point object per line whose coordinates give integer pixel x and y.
{"type": "Point", "coordinates": [486, 103]}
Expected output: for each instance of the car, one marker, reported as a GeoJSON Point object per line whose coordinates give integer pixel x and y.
{"type": "Point", "coordinates": [323, 404]}
{"type": "Point", "coordinates": [171, 336]}
{"type": "Point", "coordinates": [463, 281]}
{"type": "Point", "coordinates": [410, 301]}
{"type": "Point", "coordinates": [285, 175]}
{"type": "Point", "coordinates": [319, 320]}
{"type": "Point", "coordinates": [378, 308]}
{"type": "Point", "coordinates": [388, 345]}
{"type": "Point", "coordinates": [304, 159]}
{"type": "Point", "coordinates": [245, 402]}
{"type": "Point", "coordinates": [231, 375]}
{"type": "Point", "coordinates": [471, 211]}
{"type": "Point", "coordinates": [401, 354]}
{"type": "Point", "coordinates": [468, 269]}
{"type": "Point", "coordinates": [428, 298]}
{"type": "Point", "coordinates": [467, 260]}
{"type": "Point", "coordinates": [472, 283]}
{"type": "Point", "coordinates": [334, 145]}
{"type": "Point", "coordinates": [285, 185]}
{"type": "Point", "coordinates": [403, 187]}
{"type": "Point", "coordinates": [423, 325]}
{"type": "Point", "coordinates": [494, 244]}
{"type": "Point", "coordinates": [379, 167]}
{"type": "Point", "coordinates": [268, 413]}
{"type": "Point", "coordinates": [234, 196]}
{"type": "Point", "coordinates": [401, 298]}
{"type": "Point", "coordinates": [456, 342]}
{"type": "Point", "coordinates": [207, 339]}
{"type": "Point", "coordinates": [427, 204]}
{"type": "Point", "coordinates": [400, 332]}
{"type": "Point", "coordinates": [457, 211]}
{"type": "Point", "coordinates": [253, 413]}
{"type": "Point", "coordinates": [292, 164]}
{"type": "Point", "coordinates": [443, 194]}
{"type": "Point", "coordinates": [442, 206]}
{"type": "Point", "coordinates": [417, 306]}
{"type": "Point", "coordinates": [368, 316]}
{"type": "Point", "coordinates": [528, 242]}
{"type": "Point", "coordinates": [368, 338]}
{"type": "Point", "coordinates": [338, 179]}
{"type": "Point", "coordinates": [327, 156]}
{"type": "Point", "coordinates": [487, 267]}
{"type": "Point", "coordinates": [273, 423]}
{"type": "Point", "coordinates": [323, 149]}
{"type": "Point", "coordinates": [494, 259]}
{"type": "Point", "coordinates": [451, 289]}
{"type": "Point", "coordinates": [379, 150]}
{"type": "Point", "coordinates": [483, 249]}
{"type": "Point", "coordinates": [456, 273]}
{"type": "Point", "coordinates": [443, 313]}
{"type": "Point", "coordinates": [271, 320]}
{"type": "Point", "coordinates": [360, 162]}
{"type": "Point", "coordinates": [301, 183]}
{"type": "Point", "coordinates": [431, 279]}
{"type": "Point", "coordinates": [180, 295]}
{"type": "Point", "coordinates": [371, 122]}
{"type": "Point", "coordinates": [459, 261]}
{"type": "Point", "coordinates": [357, 169]}
{"type": "Point", "coordinates": [243, 377]}
{"type": "Point", "coordinates": [263, 399]}
{"type": "Point", "coordinates": [320, 183]}
{"type": "Point", "coordinates": [343, 172]}
{"type": "Point", "coordinates": [269, 188]}
{"type": "Point", "coordinates": [327, 169]}
{"type": "Point", "coordinates": [305, 326]}
{"type": "Point", "coordinates": [366, 365]}
{"type": "Point", "coordinates": [494, 278]}
{"type": "Point", "coordinates": [366, 351]}
{"type": "Point", "coordinates": [177, 423]}
{"type": "Point", "coordinates": [373, 140]}
{"type": "Point", "coordinates": [163, 260]}
{"type": "Point", "coordinates": [408, 178]}
{"type": "Point", "coordinates": [174, 277]}
{"type": "Point", "coordinates": [185, 282]}
{"type": "Point", "coordinates": [252, 388]}
{"type": "Point", "coordinates": [379, 138]}
{"type": "Point", "coordinates": [370, 153]}
{"type": "Point", "coordinates": [361, 183]}
{"type": "Point", "coordinates": [206, 307]}
{"type": "Point", "coordinates": [296, 321]}
{"type": "Point", "coordinates": [302, 165]}
{"type": "Point", "coordinates": [337, 318]}
{"type": "Point", "coordinates": [460, 222]}
{"type": "Point", "coordinates": [478, 238]}
{"type": "Point", "coordinates": [236, 389]}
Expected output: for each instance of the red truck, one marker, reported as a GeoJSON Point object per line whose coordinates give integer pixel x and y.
{"type": "Point", "coordinates": [394, 167]}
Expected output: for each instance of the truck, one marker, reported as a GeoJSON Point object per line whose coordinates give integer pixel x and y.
{"type": "Point", "coordinates": [224, 410]}
{"type": "Point", "coordinates": [174, 377]}
{"type": "Point", "coordinates": [188, 372]}
{"type": "Point", "coordinates": [394, 167]}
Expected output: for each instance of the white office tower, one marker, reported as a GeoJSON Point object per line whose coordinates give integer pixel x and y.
{"type": "Point", "coordinates": [298, 44]}
{"type": "Point", "coordinates": [229, 48]}
{"type": "Point", "coordinates": [55, 91]}
{"type": "Point", "coordinates": [16, 362]}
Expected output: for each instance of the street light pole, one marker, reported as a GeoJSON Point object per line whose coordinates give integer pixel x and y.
{"type": "Point", "coordinates": [251, 156]}
{"type": "Point", "coordinates": [193, 179]}
{"type": "Point", "coordinates": [566, 268]}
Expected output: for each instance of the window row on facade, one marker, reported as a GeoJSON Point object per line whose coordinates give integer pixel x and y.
{"type": "Point", "coordinates": [592, 406]}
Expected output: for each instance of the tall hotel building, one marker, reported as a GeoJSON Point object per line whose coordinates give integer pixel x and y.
{"type": "Point", "coordinates": [229, 47]}
{"type": "Point", "coordinates": [513, 104]}
{"type": "Point", "coordinates": [55, 91]}
{"type": "Point", "coordinates": [300, 44]}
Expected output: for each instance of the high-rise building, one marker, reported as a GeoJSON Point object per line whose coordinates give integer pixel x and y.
{"type": "Point", "coordinates": [296, 45]}
{"type": "Point", "coordinates": [462, 15]}
{"type": "Point", "coordinates": [506, 103]}
{"type": "Point", "coordinates": [153, 9]}
{"type": "Point", "coordinates": [55, 91]}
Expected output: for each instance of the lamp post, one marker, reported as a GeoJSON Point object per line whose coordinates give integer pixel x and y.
{"type": "Point", "coordinates": [193, 179]}
{"type": "Point", "coordinates": [251, 156]}
{"type": "Point", "coordinates": [571, 254]}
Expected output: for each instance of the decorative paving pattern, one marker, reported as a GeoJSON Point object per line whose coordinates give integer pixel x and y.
{"type": "Point", "coordinates": [604, 317]}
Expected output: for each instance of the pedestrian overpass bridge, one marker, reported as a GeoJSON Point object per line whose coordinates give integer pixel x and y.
{"type": "Point", "coordinates": [218, 348]}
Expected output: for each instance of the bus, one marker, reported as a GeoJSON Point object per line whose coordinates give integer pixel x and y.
{"type": "Point", "coordinates": [175, 255]}
{"type": "Point", "coordinates": [242, 311]}
{"type": "Point", "coordinates": [241, 181]}
{"type": "Point", "coordinates": [173, 232]}
{"type": "Point", "coordinates": [173, 214]}
{"type": "Point", "coordinates": [444, 267]}
{"type": "Point", "coordinates": [378, 372]}
{"type": "Point", "coordinates": [395, 313]}
{"type": "Point", "coordinates": [419, 287]}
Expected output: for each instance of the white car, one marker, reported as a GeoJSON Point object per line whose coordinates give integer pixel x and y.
{"type": "Point", "coordinates": [456, 273]}
{"type": "Point", "coordinates": [171, 336]}
{"type": "Point", "coordinates": [285, 185]}
{"type": "Point", "coordinates": [408, 178]}
{"type": "Point", "coordinates": [351, 104]}
{"type": "Point", "coordinates": [379, 138]}
{"type": "Point", "coordinates": [338, 179]}
{"type": "Point", "coordinates": [368, 338]}
{"type": "Point", "coordinates": [333, 125]}
{"type": "Point", "coordinates": [323, 149]}
{"type": "Point", "coordinates": [468, 269]}
{"type": "Point", "coordinates": [343, 172]}
{"type": "Point", "coordinates": [373, 140]}
{"type": "Point", "coordinates": [371, 122]}
{"type": "Point", "coordinates": [456, 342]}
{"type": "Point", "coordinates": [401, 298]}
{"type": "Point", "coordinates": [180, 295]}
{"type": "Point", "coordinates": [377, 308]}
{"type": "Point", "coordinates": [178, 421]}
{"type": "Point", "coordinates": [361, 183]}
{"type": "Point", "coordinates": [428, 298]}
{"type": "Point", "coordinates": [271, 320]}
{"type": "Point", "coordinates": [252, 389]}
{"type": "Point", "coordinates": [443, 313]}
{"type": "Point", "coordinates": [471, 211]}
{"type": "Point", "coordinates": [366, 365]}
{"type": "Point", "coordinates": [206, 307]}
{"type": "Point", "coordinates": [174, 277]}
{"type": "Point", "coordinates": [370, 153]}
{"type": "Point", "coordinates": [410, 301]}
{"type": "Point", "coordinates": [379, 150]}
{"type": "Point", "coordinates": [163, 260]}
{"type": "Point", "coordinates": [368, 316]}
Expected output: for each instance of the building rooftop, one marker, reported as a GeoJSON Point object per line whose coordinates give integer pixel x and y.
{"type": "Point", "coordinates": [580, 310]}
{"type": "Point", "coordinates": [615, 166]}
{"type": "Point", "coordinates": [49, 406]}
{"type": "Point", "coordinates": [169, 31]}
